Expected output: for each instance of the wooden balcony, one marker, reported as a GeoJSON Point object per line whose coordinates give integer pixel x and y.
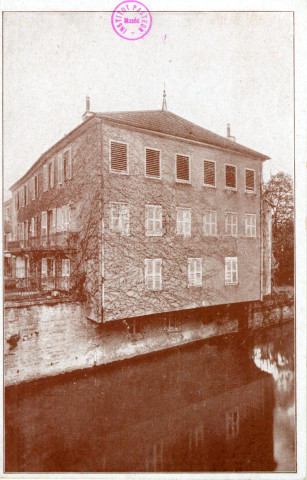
{"type": "Point", "coordinates": [56, 241]}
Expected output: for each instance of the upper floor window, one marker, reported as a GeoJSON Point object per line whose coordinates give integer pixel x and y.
{"type": "Point", "coordinates": [182, 168]}
{"type": "Point", "coordinates": [22, 198]}
{"type": "Point", "coordinates": [118, 157]}
{"type": "Point", "coordinates": [231, 271]}
{"type": "Point", "coordinates": [194, 272]}
{"type": "Point", "coordinates": [25, 194]}
{"type": "Point", "coordinates": [44, 224]}
{"type": "Point", "coordinates": [60, 169]}
{"type": "Point", "coordinates": [210, 223]}
{"type": "Point", "coordinates": [119, 218]}
{"type": "Point", "coordinates": [231, 224]}
{"type": "Point", "coordinates": [249, 180]}
{"type": "Point", "coordinates": [153, 220]}
{"type": "Point", "coordinates": [250, 225]}
{"type": "Point", "coordinates": [61, 218]}
{"type": "Point", "coordinates": [184, 221]}
{"type": "Point", "coordinates": [209, 173]}
{"type": "Point", "coordinates": [153, 274]}
{"type": "Point", "coordinates": [153, 164]}
{"type": "Point", "coordinates": [36, 186]}
{"type": "Point", "coordinates": [67, 168]}
{"type": "Point", "coordinates": [45, 177]}
{"type": "Point", "coordinates": [231, 177]}
{"type": "Point", "coordinates": [65, 267]}
{"type": "Point", "coordinates": [51, 174]}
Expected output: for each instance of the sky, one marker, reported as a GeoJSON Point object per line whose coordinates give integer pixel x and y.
{"type": "Point", "coordinates": [218, 67]}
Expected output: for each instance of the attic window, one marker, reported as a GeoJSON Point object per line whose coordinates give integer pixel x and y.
{"type": "Point", "coordinates": [152, 163]}
{"type": "Point", "coordinates": [119, 157]}
{"type": "Point", "coordinates": [182, 168]}
{"type": "Point", "coordinates": [209, 173]}
{"type": "Point", "coordinates": [249, 180]}
{"type": "Point", "coordinates": [231, 177]}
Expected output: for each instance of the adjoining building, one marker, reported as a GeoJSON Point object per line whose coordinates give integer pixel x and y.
{"type": "Point", "coordinates": [145, 212]}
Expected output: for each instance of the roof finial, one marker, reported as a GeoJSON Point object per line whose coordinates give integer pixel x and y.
{"type": "Point", "coordinates": [164, 106]}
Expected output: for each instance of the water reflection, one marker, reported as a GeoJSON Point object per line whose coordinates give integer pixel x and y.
{"type": "Point", "coordinates": [207, 407]}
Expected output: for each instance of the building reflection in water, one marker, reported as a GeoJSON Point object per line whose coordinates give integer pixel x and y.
{"type": "Point", "coordinates": [204, 408]}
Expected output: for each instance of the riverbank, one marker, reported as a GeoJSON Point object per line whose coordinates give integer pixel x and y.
{"type": "Point", "coordinates": [48, 340]}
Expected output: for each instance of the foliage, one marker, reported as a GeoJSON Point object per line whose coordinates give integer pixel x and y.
{"type": "Point", "coordinates": [278, 191]}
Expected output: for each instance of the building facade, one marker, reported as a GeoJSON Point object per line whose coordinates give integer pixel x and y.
{"type": "Point", "coordinates": [146, 213]}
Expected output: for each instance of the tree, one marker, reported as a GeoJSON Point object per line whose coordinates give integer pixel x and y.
{"type": "Point", "coordinates": [278, 191]}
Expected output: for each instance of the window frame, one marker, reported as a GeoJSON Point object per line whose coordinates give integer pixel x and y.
{"type": "Point", "coordinates": [177, 211]}
{"type": "Point", "coordinates": [246, 190]}
{"type": "Point", "coordinates": [176, 179]}
{"type": "Point", "coordinates": [251, 227]}
{"type": "Point", "coordinates": [155, 207]}
{"type": "Point", "coordinates": [237, 224]}
{"type": "Point", "coordinates": [234, 189]}
{"type": "Point", "coordinates": [110, 168]}
{"type": "Point", "coordinates": [195, 272]}
{"type": "Point", "coordinates": [231, 282]}
{"type": "Point", "coordinates": [210, 223]}
{"type": "Point", "coordinates": [160, 163]}
{"type": "Point", "coordinates": [208, 184]}
{"type": "Point", "coordinates": [146, 274]}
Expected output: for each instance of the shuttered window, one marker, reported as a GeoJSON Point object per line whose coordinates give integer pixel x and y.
{"type": "Point", "coordinates": [210, 223]}
{"type": "Point", "coordinates": [182, 168]}
{"type": "Point", "coordinates": [153, 220]}
{"type": "Point", "coordinates": [118, 157]}
{"type": "Point", "coordinates": [153, 274]}
{"type": "Point", "coordinates": [209, 173]}
{"type": "Point", "coordinates": [249, 180]}
{"type": "Point", "coordinates": [231, 176]}
{"type": "Point", "coordinates": [250, 225]}
{"type": "Point", "coordinates": [119, 218]}
{"type": "Point", "coordinates": [152, 163]}
{"type": "Point", "coordinates": [184, 221]}
{"type": "Point", "coordinates": [231, 271]}
{"type": "Point", "coordinates": [194, 272]}
{"type": "Point", "coordinates": [231, 224]}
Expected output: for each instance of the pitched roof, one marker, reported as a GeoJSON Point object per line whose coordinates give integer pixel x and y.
{"type": "Point", "coordinates": [168, 123]}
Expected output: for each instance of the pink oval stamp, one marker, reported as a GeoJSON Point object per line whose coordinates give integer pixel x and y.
{"type": "Point", "coordinates": [131, 20]}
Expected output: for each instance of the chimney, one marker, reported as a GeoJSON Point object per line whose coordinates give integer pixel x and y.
{"type": "Point", "coordinates": [228, 133]}
{"type": "Point", "coordinates": [87, 112]}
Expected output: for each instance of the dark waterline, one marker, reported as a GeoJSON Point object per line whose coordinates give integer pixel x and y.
{"type": "Point", "coordinates": [226, 404]}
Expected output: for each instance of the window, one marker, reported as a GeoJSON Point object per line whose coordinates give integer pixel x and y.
{"type": "Point", "coordinates": [182, 168]}
{"type": "Point", "coordinates": [50, 267]}
{"type": "Point", "coordinates": [44, 224]}
{"type": "Point", "coordinates": [153, 220]}
{"type": "Point", "coordinates": [36, 186]}
{"type": "Point", "coordinates": [26, 229]}
{"type": "Point", "coordinates": [65, 267]}
{"type": "Point", "coordinates": [153, 274]}
{"type": "Point", "coordinates": [67, 165]}
{"type": "Point", "coordinates": [231, 225]}
{"type": "Point", "coordinates": [250, 225]}
{"type": "Point", "coordinates": [45, 177]}
{"type": "Point", "coordinates": [153, 165]}
{"type": "Point", "coordinates": [60, 169]}
{"type": "Point", "coordinates": [210, 223]}
{"type": "Point", "coordinates": [32, 228]}
{"type": "Point", "coordinates": [231, 177]}
{"type": "Point", "coordinates": [52, 220]}
{"type": "Point", "coordinates": [51, 174]}
{"type": "Point", "coordinates": [119, 218]}
{"type": "Point", "coordinates": [209, 173]}
{"type": "Point", "coordinates": [194, 272]}
{"type": "Point", "coordinates": [184, 221]}
{"type": "Point", "coordinates": [44, 267]}
{"type": "Point", "coordinates": [62, 216]}
{"type": "Point", "coordinates": [22, 198]}
{"type": "Point", "coordinates": [118, 157]}
{"type": "Point", "coordinates": [232, 423]}
{"type": "Point", "coordinates": [249, 180]}
{"type": "Point", "coordinates": [231, 271]}
{"type": "Point", "coordinates": [25, 194]}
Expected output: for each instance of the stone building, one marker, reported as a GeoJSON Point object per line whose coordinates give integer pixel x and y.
{"type": "Point", "coordinates": [146, 213]}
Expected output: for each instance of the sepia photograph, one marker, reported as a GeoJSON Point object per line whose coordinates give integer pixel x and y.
{"type": "Point", "coordinates": [149, 241]}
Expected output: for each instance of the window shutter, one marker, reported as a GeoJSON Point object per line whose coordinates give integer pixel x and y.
{"type": "Point", "coordinates": [45, 173]}
{"type": "Point", "coordinates": [69, 165]}
{"type": "Point", "coordinates": [152, 163]}
{"type": "Point", "coordinates": [119, 160]}
{"type": "Point", "coordinates": [149, 274]}
{"type": "Point", "coordinates": [60, 169]}
{"type": "Point", "coordinates": [182, 168]}
{"type": "Point", "coordinates": [158, 274]}
{"type": "Point", "coordinates": [44, 267]}
{"type": "Point", "coordinates": [149, 220]}
{"type": "Point", "coordinates": [53, 225]}
{"type": "Point", "coordinates": [51, 179]}
{"type": "Point", "coordinates": [249, 180]}
{"type": "Point", "coordinates": [231, 176]}
{"type": "Point", "coordinates": [187, 222]}
{"type": "Point", "coordinates": [209, 173]}
{"type": "Point", "coordinates": [191, 275]}
{"type": "Point", "coordinates": [32, 228]}
{"type": "Point", "coordinates": [44, 224]}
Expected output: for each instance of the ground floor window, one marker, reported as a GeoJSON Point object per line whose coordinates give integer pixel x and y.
{"type": "Point", "coordinates": [194, 272]}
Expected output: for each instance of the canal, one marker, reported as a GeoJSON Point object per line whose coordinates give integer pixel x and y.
{"type": "Point", "coordinates": [225, 404]}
